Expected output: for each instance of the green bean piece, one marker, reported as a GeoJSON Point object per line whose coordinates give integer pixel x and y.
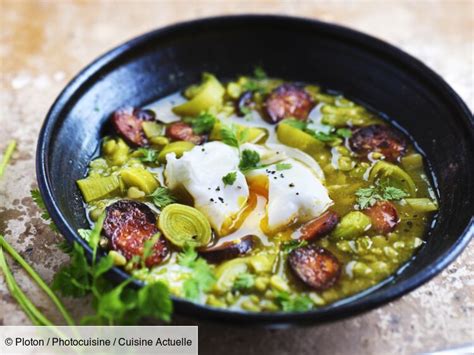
{"type": "Point", "coordinates": [422, 204]}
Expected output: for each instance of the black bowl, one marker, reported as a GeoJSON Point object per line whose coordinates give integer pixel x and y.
{"type": "Point", "coordinates": [364, 68]}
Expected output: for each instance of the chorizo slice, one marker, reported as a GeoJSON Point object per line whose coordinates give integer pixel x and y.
{"type": "Point", "coordinates": [384, 216]}
{"type": "Point", "coordinates": [288, 100]}
{"type": "Point", "coordinates": [229, 250]}
{"type": "Point", "coordinates": [128, 124]}
{"type": "Point", "coordinates": [317, 267]}
{"type": "Point", "coordinates": [319, 226]}
{"type": "Point", "coordinates": [378, 138]}
{"type": "Point", "coordinates": [181, 131]}
{"type": "Point", "coordinates": [128, 225]}
{"type": "Point", "coordinates": [244, 103]}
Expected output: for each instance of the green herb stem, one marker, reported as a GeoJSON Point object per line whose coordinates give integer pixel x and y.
{"type": "Point", "coordinates": [7, 156]}
{"type": "Point", "coordinates": [37, 318]}
{"type": "Point", "coordinates": [34, 275]}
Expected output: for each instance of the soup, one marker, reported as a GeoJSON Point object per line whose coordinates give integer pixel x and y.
{"type": "Point", "coordinates": [258, 194]}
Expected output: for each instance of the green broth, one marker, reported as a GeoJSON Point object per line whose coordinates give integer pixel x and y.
{"type": "Point", "coordinates": [365, 260]}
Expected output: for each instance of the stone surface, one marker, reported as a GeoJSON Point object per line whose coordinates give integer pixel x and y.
{"type": "Point", "coordinates": [43, 45]}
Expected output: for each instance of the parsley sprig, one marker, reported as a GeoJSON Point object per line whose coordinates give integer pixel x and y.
{"type": "Point", "coordinates": [244, 281]}
{"type": "Point", "coordinates": [147, 155]}
{"type": "Point", "coordinates": [162, 197]}
{"type": "Point", "coordinates": [203, 123]}
{"type": "Point", "coordinates": [202, 277]}
{"type": "Point", "coordinates": [230, 178]}
{"type": "Point", "coordinates": [249, 160]}
{"type": "Point", "coordinates": [293, 303]}
{"type": "Point", "coordinates": [367, 197]}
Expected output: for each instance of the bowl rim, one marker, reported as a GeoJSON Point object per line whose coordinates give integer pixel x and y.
{"type": "Point", "coordinates": [341, 309]}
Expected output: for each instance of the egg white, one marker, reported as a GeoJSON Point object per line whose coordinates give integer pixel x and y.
{"type": "Point", "coordinates": [200, 172]}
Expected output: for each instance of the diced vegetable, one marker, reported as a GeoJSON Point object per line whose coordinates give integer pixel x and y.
{"type": "Point", "coordinates": [422, 204]}
{"type": "Point", "coordinates": [95, 188]}
{"type": "Point", "coordinates": [412, 161]}
{"type": "Point", "coordinates": [176, 147]}
{"type": "Point", "coordinates": [139, 178]}
{"type": "Point", "coordinates": [152, 129]}
{"type": "Point", "coordinates": [351, 226]}
{"type": "Point", "coordinates": [208, 95]}
{"type": "Point", "coordinates": [184, 225]}
{"type": "Point", "coordinates": [116, 151]}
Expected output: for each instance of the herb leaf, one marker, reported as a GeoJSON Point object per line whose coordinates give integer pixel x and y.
{"type": "Point", "coordinates": [162, 197]}
{"type": "Point", "coordinates": [147, 155]}
{"type": "Point", "coordinates": [393, 193]}
{"type": "Point", "coordinates": [344, 132]}
{"type": "Point", "coordinates": [74, 279]}
{"type": "Point", "coordinates": [202, 123]}
{"type": "Point", "coordinates": [293, 304]}
{"type": "Point", "coordinates": [202, 277]}
{"type": "Point", "coordinates": [229, 135]}
{"type": "Point", "coordinates": [249, 160]}
{"type": "Point", "coordinates": [288, 247]}
{"type": "Point", "coordinates": [230, 178]}
{"type": "Point", "coordinates": [244, 281]}
{"type": "Point", "coordinates": [367, 197]}
{"type": "Point", "coordinates": [36, 196]}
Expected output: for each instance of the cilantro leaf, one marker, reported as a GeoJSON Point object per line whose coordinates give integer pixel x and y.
{"type": "Point", "coordinates": [74, 279]}
{"type": "Point", "coordinates": [230, 178]}
{"type": "Point", "coordinates": [293, 303]}
{"type": "Point", "coordinates": [162, 197]}
{"type": "Point", "coordinates": [113, 304]}
{"type": "Point", "coordinates": [202, 123]}
{"type": "Point", "coordinates": [229, 136]}
{"type": "Point", "coordinates": [153, 300]}
{"type": "Point", "coordinates": [367, 197]}
{"type": "Point", "coordinates": [344, 132]}
{"type": "Point", "coordinates": [244, 281]}
{"type": "Point", "coordinates": [147, 155]}
{"type": "Point", "coordinates": [38, 199]}
{"type": "Point", "coordinates": [393, 193]}
{"type": "Point", "coordinates": [201, 278]}
{"type": "Point", "coordinates": [249, 160]}
{"type": "Point", "coordinates": [187, 256]}
{"type": "Point", "coordinates": [85, 234]}
{"type": "Point", "coordinates": [288, 247]}
{"type": "Point", "coordinates": [283, 166]}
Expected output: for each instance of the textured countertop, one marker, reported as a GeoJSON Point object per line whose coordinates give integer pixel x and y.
{"type": "Point", "coordinates": [44, 44]}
